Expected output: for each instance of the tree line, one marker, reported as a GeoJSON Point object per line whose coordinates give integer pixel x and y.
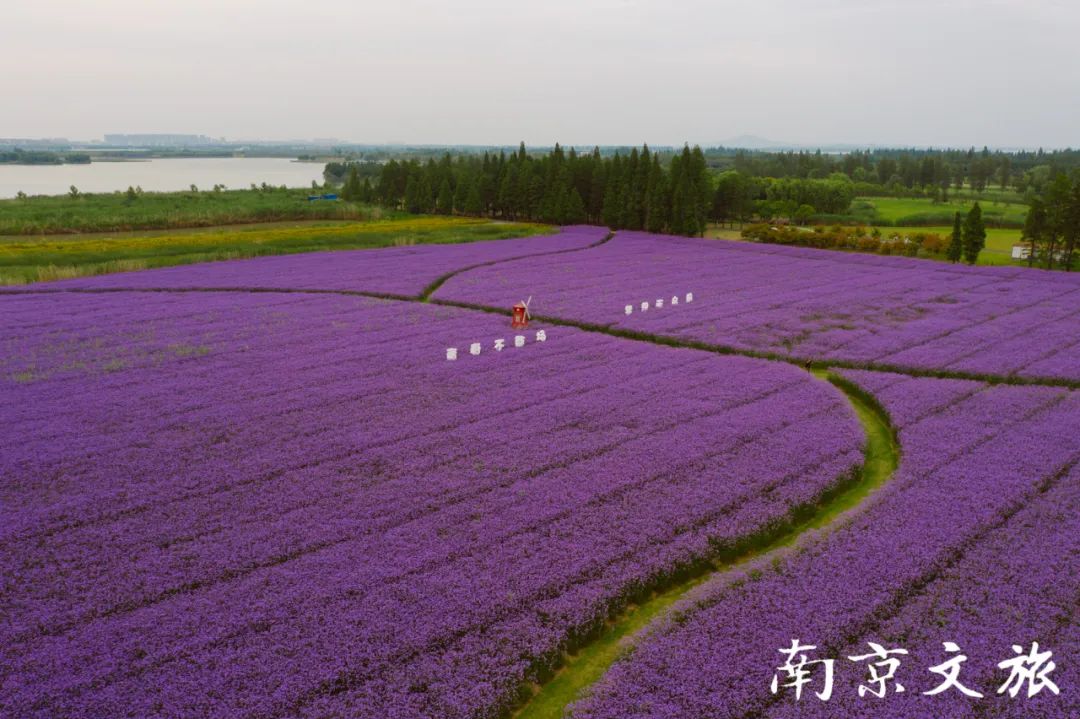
{"type": "Point", "coordinates": [1052, 227]}
{"type": "Point", "coordinates": [17, 156]}
{"type": "Point", "coordinates": [636, 190]}
{"type": "Point", "coordinates": [894, 170]}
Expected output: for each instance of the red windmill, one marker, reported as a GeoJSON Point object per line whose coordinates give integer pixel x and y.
{"type": "Point", "coordinates": [521, 314]}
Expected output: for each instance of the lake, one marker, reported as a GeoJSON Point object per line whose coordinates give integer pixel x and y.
{"type": "Point", "coordinates": [158, 175]}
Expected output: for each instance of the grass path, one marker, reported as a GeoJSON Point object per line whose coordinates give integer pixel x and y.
{"type": "Point", "coordinates": [583, 669]}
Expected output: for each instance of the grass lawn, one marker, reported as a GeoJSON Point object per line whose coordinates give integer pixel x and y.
{"type": "Point", "coordinates": [923, 212]}
{"type": "Point", "coordinates": [999, 241]}
{"type": "Point", "coordinates": [998, 251]}
{"type": "Point", "coordinates": [32, 259]}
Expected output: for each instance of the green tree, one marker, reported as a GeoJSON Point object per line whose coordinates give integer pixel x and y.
{"type": "Point", "coordinates": [956, 243]}
{"type": "Point", "coordinates": [803, 213]}
{"type": "Point", "coordinates": [73, 192]}
{"type": "Point", "coordinates": [131, 195]}
{"type": "Point", "coordinates": [474, 201]}
{"type": "Point", "coordinates": [1035, 228]}
{"type": "Point", "coordinates": [425, 194]}
{"type": "Point", "coordinates": [1056, 198]}
{"type": "Point", "coordinates": [659, 202]}
{"type": "Point", "coordinates": [412, 195]}
{"type": "Point", "coordinates": [461, 193]}
{"type": "Point", "coordinates": [445, 203]}
{"type": "Point", "coordinates": [350, 191]}
{"type": "Point", "coordinates": [574, 208]}
{"type": "Point", "coordinates": [1072, 225]}
{"type": "Point", "coordinates": [974, 234]}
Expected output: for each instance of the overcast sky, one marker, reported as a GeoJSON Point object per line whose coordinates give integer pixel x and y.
{"type": "Point", "coordinates": [912, 72]}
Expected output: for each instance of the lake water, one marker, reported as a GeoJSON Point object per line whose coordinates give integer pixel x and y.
{"type": "Point", "coordinates": [158, 175]}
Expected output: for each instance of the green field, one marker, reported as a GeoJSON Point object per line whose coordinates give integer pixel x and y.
{"type": "Point", "coordinates": [924, 212]}
{"type": "Point", "coordinates": [998, 251]}
{"type": "Point", "coordinates": [25, 259]}
{"type": "Point", "coordinates": [999, 241]}
{"type": "Point", "coordinates": [117, 212]}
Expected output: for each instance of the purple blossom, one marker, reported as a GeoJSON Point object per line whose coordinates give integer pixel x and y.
{"type": "Point", "coordinates": [806, 304]}
{"type": "Point", "coordinates": [976, 540]}
{"type": "Point", "coordinates": [258, 504]}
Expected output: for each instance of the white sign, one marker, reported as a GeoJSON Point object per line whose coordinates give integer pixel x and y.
{"type": "Point", "coordinates": [499, 344]}
{"type": "Point", "coordinates": [689, 296]}
{"type": "Point", "coordinates": [644, 306]}
{"type": "Point", "coordinates": [659, 304]}
{"type": "Point", "coordinates": [629, 309]}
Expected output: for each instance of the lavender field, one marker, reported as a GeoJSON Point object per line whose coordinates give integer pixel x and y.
{"type": "Point", "coordinates": [884, 312]}
{"type": "Point", "coordinates": [258, 488]}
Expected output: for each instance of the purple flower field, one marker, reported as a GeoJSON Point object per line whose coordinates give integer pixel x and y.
{"type": "Point", "coordinates": [229, 504]}
{"type": "Point", "coordinates": [975, 541]}
{"type": "Point", "coordinates": [289, 503]}
{"type": "Point", "coordinates": [393, 270]}
{"type": "Point", "coordinates": [807, 304]}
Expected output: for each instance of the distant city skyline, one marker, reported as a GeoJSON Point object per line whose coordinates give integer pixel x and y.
{"type": "Point", "coordinates": [956, 73]}
{"type": "Point", "coordinates": [748, 142]}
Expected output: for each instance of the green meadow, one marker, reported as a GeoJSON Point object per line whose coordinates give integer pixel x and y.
{"type": "Point", "coordinates": [924, 212]}
{"type": "Point", "coordinates": [999, 241]}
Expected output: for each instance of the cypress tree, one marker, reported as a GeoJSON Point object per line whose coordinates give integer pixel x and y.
{"type": "Point", "coordinates": [575, 208]}
{"type": "Point", "coordinates": [612, 195]}
{"type": "Point", "coordinates": [956, 243]}
{"type": "Point", "coordinates": [412, 195]}
{"type": "Point", "coordinates": [1034, 228]}
{"type": "Point", "coordinates": [461, 193]}
{"type": "Point", "coordinates": [701, 191]}
{"type": "Point", "coordinates": [597, 189]}
{"type": "Point", "coordinates": [630, 210]}
{"type": "Point", "coordinates": [974, 234]}
{"type": "Point", "coordinates": [474, 202]}
{"type": "Point", "coordinates": [446, 198]}
{"type": "Point", "coordinates": [658, 198]}
{"type": "Point", "coordinates": [677, 221]}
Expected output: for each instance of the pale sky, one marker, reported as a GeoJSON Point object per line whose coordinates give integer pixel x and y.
{"type": "Point", "coordinates": [913, 72]}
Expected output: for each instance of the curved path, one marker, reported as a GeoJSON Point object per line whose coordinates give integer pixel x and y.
{"type": "Point", "coordinates": [586, 666]}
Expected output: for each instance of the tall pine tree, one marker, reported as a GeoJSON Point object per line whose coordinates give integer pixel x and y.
{"type": "Point", "coordinates": [956, 243]}
{"type": "Point", "coordinates": [1035, 228]}
{"type": "Point", "coordinates": [445, 205]}
{"type": "Point", "coordinates": [974, 234]}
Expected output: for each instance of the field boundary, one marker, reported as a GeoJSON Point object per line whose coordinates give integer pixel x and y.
{"type": "Point", "coordinates": [425, 295]}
